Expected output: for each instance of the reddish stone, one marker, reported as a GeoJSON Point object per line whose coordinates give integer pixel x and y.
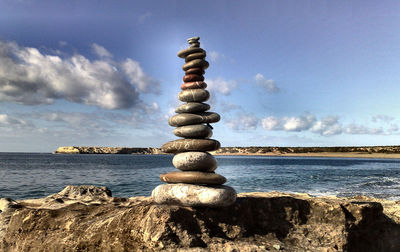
{"type": "Point", "coordinates": [192, 77]}
{"type": "Point", "coordinates": [193, 85]}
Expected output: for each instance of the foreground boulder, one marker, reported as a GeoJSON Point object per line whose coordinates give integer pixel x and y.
{"type": "Point", "coordinates": [88, 218]}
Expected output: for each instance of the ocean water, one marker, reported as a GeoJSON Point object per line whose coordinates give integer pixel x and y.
{"type": "Point", "coordinates": [32, 175]}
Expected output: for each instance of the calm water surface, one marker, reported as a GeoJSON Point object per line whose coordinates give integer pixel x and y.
{"type": "Point", "coordinates": [30, 175]}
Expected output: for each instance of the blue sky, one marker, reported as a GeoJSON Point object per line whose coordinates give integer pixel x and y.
{"type": "Point", "coordinates": [282, 73]}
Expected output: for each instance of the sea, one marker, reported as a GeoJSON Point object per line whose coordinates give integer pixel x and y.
{"type": "Point", "coordinates": [35, 175]}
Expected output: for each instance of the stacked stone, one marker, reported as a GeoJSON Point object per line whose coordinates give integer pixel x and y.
{"type": "Point", "coordinates": [196, 184]}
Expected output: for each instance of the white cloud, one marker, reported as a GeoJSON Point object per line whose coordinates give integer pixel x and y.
{"type": "Point", "coordinates": [383, 118]}
{"type": "Point", "coordinates": [138, 78]}
{"type": "Point", "coordinates": [271, 123]}
{"type": "Point", "coordinates": [29, 77]}
{"type": "Point", "coordinates": [214, 56]}
{"type": "Point", "coordinates": [355, 129]}
{"type": "Point", "coordinates": [101, 51]}
{"type": "Point", "coordinates": [243, 122]}
{"type": "Point", "coordinates": [268, 85]}
{"type": "Point", "coordinates": [298, 123]}
{"type": "Point", "coordinates": [327, 126]}
{"type": "Point", "coordinates": [8, 121]}
{"type": "Point", "coordinates": [221, 86]}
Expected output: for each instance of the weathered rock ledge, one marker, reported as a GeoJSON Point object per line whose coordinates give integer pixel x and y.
{"type": "Point", "coordinates": [88, 218]}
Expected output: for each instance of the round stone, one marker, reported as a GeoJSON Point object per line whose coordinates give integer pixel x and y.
{"type": "Point", "coordinates": [194, 195]}
{"type": "Point", "coordinates": [194, 85]}
{"type": "Point", "coordinates": [192, 107]}
{"type": "Point", "coordinates": [194, 131]}
{"type": "Point", "coordinates": [196, 63]}
{"type": "Point", "coordinates": [199, 55]}
{"type": "Point", "coordinates": [183, 53]}
{"type": "Point", "coordinates": [188, 118]}
{"type": "Point", "coordinates": [193, 177]}
{"type": "Point", "coordinates": [195, 70]}
{"type": "Point", "coordinates": [195, 161]}
{"type": "Point", "coordinates": [182, 145]}
{"type": "Point", "coordinates": [193, 95]}
{"type": "Point", "coordinates": [192, 77]}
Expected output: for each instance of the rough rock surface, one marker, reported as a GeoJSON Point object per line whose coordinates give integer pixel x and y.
{"type": "Point", "coordinates": [89, 219]}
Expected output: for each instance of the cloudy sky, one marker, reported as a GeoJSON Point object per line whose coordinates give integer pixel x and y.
{"type": "Point", "coordinates": [282, 73]}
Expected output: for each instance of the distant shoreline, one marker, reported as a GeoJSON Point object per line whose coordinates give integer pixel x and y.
{"type": "Point", "coordinates": [318, 154]}
{"type": "Point", "coordinates": [342, 152]}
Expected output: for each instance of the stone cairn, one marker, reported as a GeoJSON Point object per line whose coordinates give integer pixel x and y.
{"type": "Point", "coordinates": [196, 184]}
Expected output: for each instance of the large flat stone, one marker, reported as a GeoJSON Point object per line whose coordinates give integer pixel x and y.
{"type": "Point", "coordinates": [198, 55]}
{"type": "Point", "coordinates": [195, 161]}
{"type": "Point", "coordinates": [193, 131]}
{"type": "Point", "coordinates": [196, 63]}
{"type": "Point", "coordinates": [192, 107]}
{"type": "Point", "coordinates": [194, 195]}
{"type": "Point", "coordinates": [183, 53]}
{"type": "Point", "coordinates": [193, 177]}
{"type": "Point", "coordinates": [194, 95]}
{"type": "Point", "coordinates": [189, 119]}
{"type": "Point", "coordinates": [182, 145]}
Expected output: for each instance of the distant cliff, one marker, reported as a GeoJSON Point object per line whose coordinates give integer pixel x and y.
{"type": "Point", "coordinates": [253, 150]}
{"type": "Point", "coordinates": [106, 150]}
{"type": "Point", "coordinates": [285, 150]}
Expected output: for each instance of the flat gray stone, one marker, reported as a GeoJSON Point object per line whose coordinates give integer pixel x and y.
{"type": "Point", "coordinates": [183, 145]}
{"type": "Point", "coordinates": [192, 107]}
{"type": "Point", "coordinates": [196, 63]}
{"type": "Point", "coordinates": [194, 131]}
{"type": "Point", "coordinates": [195, 161]}
{"type": "Point", "coordinates": [189, 119]}
{"type": "Point", "coordinates": [194, 195]}
{"type": "Point", "coordinates": [193, 177]}
{"type": "Point", "coordinates": [194, 95]}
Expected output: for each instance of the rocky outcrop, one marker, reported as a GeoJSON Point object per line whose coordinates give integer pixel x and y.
{"type": "Point", "coordinates": [254, 150]}
{"type": "Point", "coordinates": [284, 150]}
{"type": "Point", "coordinates": [88, 218]}
{"type": "Point", "coordinates": [106, 150]}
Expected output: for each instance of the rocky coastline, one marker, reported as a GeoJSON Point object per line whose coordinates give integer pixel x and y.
{"type": "Point", "coordinates": [344, 151]}
{"type": "Point", "coordinates": [88, 218]}
{"type": "Point", "coordinates": [107, 150]}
